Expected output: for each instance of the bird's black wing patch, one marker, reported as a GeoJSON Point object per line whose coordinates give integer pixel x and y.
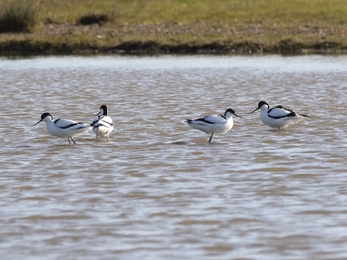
{"type": "Point", "coordinates": [205, 121]}
{"type": "Point", "coordinates": [291, 114]}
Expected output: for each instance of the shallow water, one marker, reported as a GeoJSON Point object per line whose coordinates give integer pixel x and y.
{"type": "Point", "coordinates": [158, 189]}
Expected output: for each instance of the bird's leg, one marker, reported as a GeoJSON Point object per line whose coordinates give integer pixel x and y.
{"type": "Point", "coordinates": [210, 140]}
{"type": "Point", "coordinates": [69, 140]}
{"type": "Point", "coordinates": [72, 140]}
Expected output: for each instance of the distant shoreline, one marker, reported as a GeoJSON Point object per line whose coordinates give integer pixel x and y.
{"type": "Point", "coordinates": [53, 39]}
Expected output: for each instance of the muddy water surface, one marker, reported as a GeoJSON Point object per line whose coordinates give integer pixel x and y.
{"type": "Point", "coordinates": [158, 189]}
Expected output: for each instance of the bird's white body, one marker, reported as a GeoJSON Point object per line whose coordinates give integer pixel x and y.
{"type": "Point", "coordinates": [102, 123]}
{"type": "Point", "coordinates": [64, 127]}
{"type": "Point", "coordinates": [214, 123]}
{"type": "Point", "coordinates": [102, 126]}
{"type": "Point", "coordinates": [278, 117]}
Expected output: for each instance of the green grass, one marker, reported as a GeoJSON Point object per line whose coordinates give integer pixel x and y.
{"type": "Point", "coordinates": [269, 25]}
{"type": "Point", "coordinates": [239, 12]}
{"type": "Point", "coordinates": [17, 16]}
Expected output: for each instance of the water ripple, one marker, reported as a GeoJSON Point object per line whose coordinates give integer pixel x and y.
{"type": "Point", "coordinates": [158, 189]}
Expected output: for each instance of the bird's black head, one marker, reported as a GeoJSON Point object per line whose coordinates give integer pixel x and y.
{"type": "Point", "coordinates": [43, 116]}
{"type": "Point", "coordinates": [232, 111]}
{"type": "Point", "coordinates": [261, 103]}
{"type": "Point", "coordinates": [103, 110]}
{"type": "Point", "coordinates": [229, 110]}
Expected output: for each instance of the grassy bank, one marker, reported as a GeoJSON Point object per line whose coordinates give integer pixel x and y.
{"type": "Point", "coordinates": [177, 26]}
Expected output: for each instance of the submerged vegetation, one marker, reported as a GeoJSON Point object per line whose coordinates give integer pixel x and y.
{"type": "Point", "coordinates": [179, 26]}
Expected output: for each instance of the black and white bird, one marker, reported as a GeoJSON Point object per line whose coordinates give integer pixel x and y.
{"type": "Point", "coordinates": [102, 123]}
{"type": "Point", "coordinates": [277, 117]}
{"type": "Point", "coordinates": [64, 127]}
{"type": "Point", "coordinates": [214, 124]}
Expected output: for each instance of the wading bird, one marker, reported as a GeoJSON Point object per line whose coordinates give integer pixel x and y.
{"type": "Point", "coordinates": [102, 123]}
{"type": "Point", "coordinates": [64, 127]}
{"type": "Point", "coordinates": [277, 117]}
{"type": "Point", "coordinates": [214, 124]}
